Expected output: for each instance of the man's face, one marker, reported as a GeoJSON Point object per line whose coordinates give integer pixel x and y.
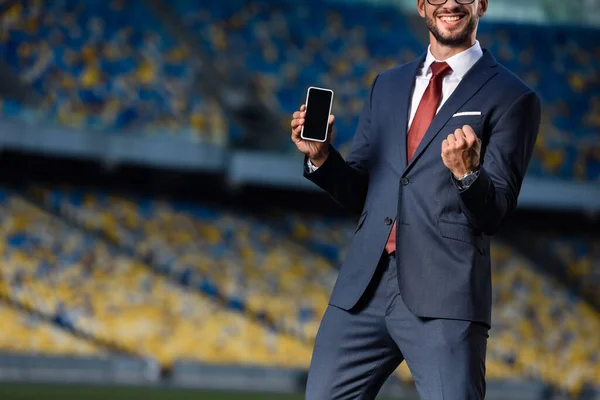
{"type": "Point", "coordinates": [452, 24]}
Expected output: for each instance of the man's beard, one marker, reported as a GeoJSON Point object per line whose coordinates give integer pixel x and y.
{"type": "Point", "coordinates": [456, 39]}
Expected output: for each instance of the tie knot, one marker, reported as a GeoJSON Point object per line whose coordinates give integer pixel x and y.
{"type": "Point", "coordinates": [440, 69]}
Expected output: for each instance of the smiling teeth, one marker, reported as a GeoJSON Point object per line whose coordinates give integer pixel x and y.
{"type": "Point", "coordinates": [450, 19]}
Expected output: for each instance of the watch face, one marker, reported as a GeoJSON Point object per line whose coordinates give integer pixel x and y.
{"type": "Point", "coordinates": [469, 179]}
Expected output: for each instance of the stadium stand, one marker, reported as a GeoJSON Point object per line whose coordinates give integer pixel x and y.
{"type": "Point", "coordinates": [86, 285]}
{"type": "Point", "coordinates": [290, 48]}
{"type": "Point", "coordinates": [109, 66]}
{"type": "Point", "coordinates": [579, 257]}
{"type": "Point", "coordinates": [292, 45]}
{"type": "Point", "coordinates": [104, 271]}
{"type": "Point", "coordinates": [541, 330]}
{"type": "Point", "coordinates": [561, 64]}
{"type": "Point", "coordinates": [327, 236]}
{"type": "Point", "coordinates": [23, 332]}
{"type": "Point", "coordinates": [224, 254]}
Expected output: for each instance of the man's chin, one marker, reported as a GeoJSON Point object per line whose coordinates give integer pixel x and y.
{"type": "Point", "coordinates": [453, 39]}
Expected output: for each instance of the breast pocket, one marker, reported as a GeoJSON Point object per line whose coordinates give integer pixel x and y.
{"type": "Point", "coordinates": [461, 120]}
{"type": "Point", "coordinates": [474, 121]}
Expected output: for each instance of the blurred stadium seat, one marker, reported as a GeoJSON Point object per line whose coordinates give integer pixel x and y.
{"type": "Point", "coordinates": [109, 66]}
{"type": "Point", "coordinates": [541, 330]}
{"type": "Point", "coordinates": [25, 333]}
{"type": "Point", "coordinates": [561, 63]}
{"type": "Point", "coordinates": [221, 253]}
{"type": "Point", "coordinates": [579, 257]}
{"type": "Point", "coordinates": [82, 283]}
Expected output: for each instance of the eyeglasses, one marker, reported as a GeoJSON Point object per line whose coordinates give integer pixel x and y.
{"type": "Point", "coordinates": [441, 2]}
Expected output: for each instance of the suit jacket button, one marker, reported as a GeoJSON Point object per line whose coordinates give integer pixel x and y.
{"type": "Point", "coordinates": [387, 220]}
{"type": "Point", "coordinates": [404, 181]}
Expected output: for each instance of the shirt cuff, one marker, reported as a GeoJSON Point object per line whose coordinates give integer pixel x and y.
{"type": "Point", "coordinates": [310, 166]}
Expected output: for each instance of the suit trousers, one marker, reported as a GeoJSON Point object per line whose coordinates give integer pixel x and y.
{"type": "Point", "coordinates": [357, 350]}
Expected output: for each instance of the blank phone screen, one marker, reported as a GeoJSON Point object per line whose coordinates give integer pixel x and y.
{"type": "Point", "coordinates": [317, 114]}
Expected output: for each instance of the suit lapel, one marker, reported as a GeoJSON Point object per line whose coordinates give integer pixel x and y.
{"type": "Point", "coordinates": [401, 93]}
{"type": "Point", "coordinates": [479, 74]}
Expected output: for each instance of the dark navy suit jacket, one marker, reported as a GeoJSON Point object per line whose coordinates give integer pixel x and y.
{"type": "Point", "coordinates": [442, 242]}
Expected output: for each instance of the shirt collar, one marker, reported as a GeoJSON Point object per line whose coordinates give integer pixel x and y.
{"type": "Point", "coordinates": [460, 63]}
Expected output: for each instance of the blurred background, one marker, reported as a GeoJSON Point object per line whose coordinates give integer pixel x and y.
{"type": "Point", "coordinates": [157, 239]}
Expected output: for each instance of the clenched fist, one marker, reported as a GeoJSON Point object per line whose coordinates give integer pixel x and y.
{"type": "Point", "coordinates": [461, 151]}
{"type": "Point", "coordinates": [316, 152]}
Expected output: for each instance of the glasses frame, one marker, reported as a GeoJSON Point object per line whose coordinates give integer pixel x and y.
{"type": "Point", "coordinates": [442, 2]}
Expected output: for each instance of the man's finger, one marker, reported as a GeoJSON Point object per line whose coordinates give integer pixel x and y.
{"type": "Point", "coordinates": [469, 134]}
{"type": "Point", "coordinates": [297, 122]}
{"type": "Point", "coordinates": [330, 129]}
{"type": "Point", "coordinates": [461, 142]}
{"type": "Point", "coordinates": [296, 133]}
{"type": "Point", "coordinates": [451, 139]}
{"type": "Point", "coordinates": [303, 108]}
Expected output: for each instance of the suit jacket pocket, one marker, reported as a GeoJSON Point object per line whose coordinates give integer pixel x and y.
{"type": "Point", "coordinates": [461, 232]}
{"type": "Point", "coordinates": [361, 221]}
{"type": "Point", "coordinates": [461, 120]}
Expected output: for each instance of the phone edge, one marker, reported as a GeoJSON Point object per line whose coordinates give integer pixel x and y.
{"type": "Point", "coordinates": [328, 115]}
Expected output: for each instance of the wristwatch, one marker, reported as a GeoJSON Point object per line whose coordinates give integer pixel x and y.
{"type": "Point", "coordinates": [467, 180]}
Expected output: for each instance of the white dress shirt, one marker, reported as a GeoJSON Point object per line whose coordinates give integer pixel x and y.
{"type": "Point", "coordinates": [460, 63]}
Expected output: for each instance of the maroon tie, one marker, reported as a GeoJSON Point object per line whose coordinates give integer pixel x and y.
{"type": "Point", "coordinates": [425, 113]}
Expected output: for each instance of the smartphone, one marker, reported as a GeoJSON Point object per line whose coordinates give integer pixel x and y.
{"type": "Point", "coordinates": [318, 109]}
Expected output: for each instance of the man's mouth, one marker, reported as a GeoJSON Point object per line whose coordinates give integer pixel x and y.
{"type": "Point", "coordinates": [451, 19]}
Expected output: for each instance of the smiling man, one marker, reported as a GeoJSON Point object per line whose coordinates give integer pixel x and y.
{"type": "Point", "coordinates": [435, 169]}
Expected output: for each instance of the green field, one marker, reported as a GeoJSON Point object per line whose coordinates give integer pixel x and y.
{"type": "Point", "coordinates": [51, 392]}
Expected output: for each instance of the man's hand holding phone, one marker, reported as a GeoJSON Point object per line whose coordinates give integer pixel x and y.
{"type": "Point", "coordinates": [316, 152]}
